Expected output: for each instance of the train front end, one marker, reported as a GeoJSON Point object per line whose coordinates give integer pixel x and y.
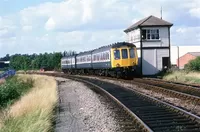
{"type": "Point", "coordinates": [124, 59]}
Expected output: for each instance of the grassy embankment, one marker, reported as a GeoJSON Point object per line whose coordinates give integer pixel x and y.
{"type": "Point", "coordinates": [33, 109]}
{"type": "Point", "coordinates": [184, 77]}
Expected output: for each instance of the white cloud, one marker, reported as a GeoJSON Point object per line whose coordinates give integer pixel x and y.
{"type": "Point", "coordinates": [50, 24]}
{"type": "Point", "coordinates": [73, 15]}
{"type": "Point", "coordinates": [181, 30]}
{"type": "Point", "coordinates": [195, 12]}
{"type": "Point", "coordinates": [70, 24]}
{"type": "Point", "coordinates": [27, 28]}
{"type": "Point", "coordinates": [186, 35]}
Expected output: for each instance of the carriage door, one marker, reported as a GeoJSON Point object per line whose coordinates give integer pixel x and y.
{"type": "Point", "coordinates": [116, 58]}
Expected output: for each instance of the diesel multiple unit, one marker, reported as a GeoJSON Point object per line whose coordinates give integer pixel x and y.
{"type": "Point", "coordinates": [119, 59]}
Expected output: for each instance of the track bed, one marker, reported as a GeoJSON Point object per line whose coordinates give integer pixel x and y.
{"type": "Point", "coordinates": [156, 116]}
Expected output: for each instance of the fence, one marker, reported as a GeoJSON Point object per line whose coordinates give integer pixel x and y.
{"type": "Point", "coordinates": [7, 73]}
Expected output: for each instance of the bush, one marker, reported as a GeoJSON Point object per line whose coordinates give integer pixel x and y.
{"type": "Point", "coordinates": [193, 65]}
{"type": "Point", "coordinates": [13, 89]}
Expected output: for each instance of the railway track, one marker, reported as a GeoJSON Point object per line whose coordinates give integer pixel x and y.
{"type": "Point", "coordinates": [152, 114]}
{"type": "Point", "coordinates": [184, 88]}
{"type": "Point", "coordinates": [149, 114]}
{"type": "Point", "coordinates": [173, 82]}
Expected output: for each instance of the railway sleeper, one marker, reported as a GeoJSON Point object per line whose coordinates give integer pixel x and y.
{"type": "Point", "coordinates": [158, 115]}
{"type": "Point", "coordinates": [136, 104]}
{"type": "Point", "coordinates": [149, 108]}
{"type": "Point", "coordinates": [163, 118]}
{"type": "Point", "coordinates": [167, 121]}
{"type": "Point", "coordinates": [175, 130]}
{"type": "Point", "coordinates": [173, 124]}
{"type": "Point", "coordinates": [151, 112]}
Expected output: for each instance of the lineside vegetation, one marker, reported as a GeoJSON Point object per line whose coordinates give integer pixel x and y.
{"type": "Point", "coordinates": [34, 111]}
{"type": "Point", "coordinates": [191, 73]}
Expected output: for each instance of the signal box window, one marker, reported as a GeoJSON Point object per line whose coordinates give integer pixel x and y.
{"type": "Point", "coordinates": [124, 54]}
{"type": "Point", "coordinates": [132, 54]}
{"type": "Point", "coordinates": [117, 54]}
{"type": "Point", "coordinates": [150, 34]}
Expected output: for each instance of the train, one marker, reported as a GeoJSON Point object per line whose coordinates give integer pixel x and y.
{"type": "Point", "coordinates": [117, 60]}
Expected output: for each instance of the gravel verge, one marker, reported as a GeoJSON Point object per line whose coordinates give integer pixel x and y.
{"type": "Point", "coordinates": [83, 110]}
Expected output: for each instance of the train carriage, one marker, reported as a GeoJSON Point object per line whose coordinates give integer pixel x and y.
{"type": "Point", "coordinates": [119, 59]}
{"type": "Point", "coordinates": [101, 58]}
{"type": "Point", "coordinates": [68, 63]}
{"type": "Point", "coordinates": [84, 62]}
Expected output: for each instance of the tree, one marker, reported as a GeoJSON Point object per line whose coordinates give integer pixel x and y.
{"type": "Point", "coordinates": [193, 65]}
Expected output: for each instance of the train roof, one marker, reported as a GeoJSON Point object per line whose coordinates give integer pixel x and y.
{"type": "Point", "coordinates": [69, 56]}
{"type": "Point", "coordinates": [103, 48]}
{"type": "Point", "coordinates": [120, 44]}
{"type": "Point", "coordinates": [117, 45]}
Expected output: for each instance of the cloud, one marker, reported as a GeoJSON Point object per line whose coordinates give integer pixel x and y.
{"type": "Point", "coordinates": [186, 35]}
{"type": "Point", "coordinates": [181, 30]}
{"type": "Point", "coordinates": [79, 15]}
{"type": "Point", "coordinates": [195, 12]}
{"type": "Point", "coordinates": [27, 28]}
{"type": "Point", "coordinates": [86, 24]}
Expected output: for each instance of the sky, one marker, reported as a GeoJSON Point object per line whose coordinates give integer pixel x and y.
{"type": "Point", "coordinates": [38, 26]}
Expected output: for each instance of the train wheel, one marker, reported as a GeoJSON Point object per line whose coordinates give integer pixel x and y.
{"type": "Point", "coordinates": [106, 73]}
{"type": "Point", "coordinates": [118, 75]}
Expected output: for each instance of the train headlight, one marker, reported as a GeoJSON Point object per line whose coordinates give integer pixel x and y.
{"type": "Point", "coordinates": [118, 65]}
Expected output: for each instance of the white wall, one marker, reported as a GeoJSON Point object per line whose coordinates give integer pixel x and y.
{"type": "Point", "coordinates": [164, 38]}
{"type": "Point", "coordinates": [182, 51]}
{"type": "Point", "coordinates": [152, 60]}
{"type": "Point", "coordinates": [149, 62]}
{"type": "Point", "coordinates": [134, 37]}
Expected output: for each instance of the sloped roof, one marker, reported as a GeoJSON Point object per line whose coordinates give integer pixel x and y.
{"type": "Point", "coordinates": [149, 21]}
{"type": "Point", "coordinates": [194, 53]}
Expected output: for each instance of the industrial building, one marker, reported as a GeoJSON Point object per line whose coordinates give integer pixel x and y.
{"type": "Point", "coordinates": [151, 36]}
{"type": "Point", "coordinates": [185, 59]}
{"type": "Point", "coordinates": [179, 51]}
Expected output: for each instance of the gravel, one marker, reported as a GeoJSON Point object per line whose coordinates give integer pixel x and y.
{"type": "Point", "coordinates": [82, 110]}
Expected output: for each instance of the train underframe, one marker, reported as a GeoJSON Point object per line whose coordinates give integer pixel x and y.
{"type": "Point", "coordinates": [120, 72]}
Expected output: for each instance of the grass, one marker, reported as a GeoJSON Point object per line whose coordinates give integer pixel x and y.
{"type": "Point", "coordinates": [33, 112]}
{"type": "Point", "coordinates": [184, 77]}
{"type": "Point", "coordinates": [12, 89]}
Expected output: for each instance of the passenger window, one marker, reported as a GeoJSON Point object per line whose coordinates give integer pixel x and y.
{"type": "Point", "coordinates": [132, 54]}
{"type": "Point", "coordinates": [124, 54]}
{"type": "Point", "coordinates": [117, 54]}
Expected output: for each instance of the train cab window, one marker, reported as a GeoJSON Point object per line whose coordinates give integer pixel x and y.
{"type": "Point", "coordinates": [132, 54]}
{"type": "Point", "coordinates": [124, 54]}
{"type": "Point", "coordinates": [117, 54]}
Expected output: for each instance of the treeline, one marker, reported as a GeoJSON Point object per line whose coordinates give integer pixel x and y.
{"type": "Point", "coordinates": [49, 61]}
{"type": "Point", "coordinates": [193, 65]}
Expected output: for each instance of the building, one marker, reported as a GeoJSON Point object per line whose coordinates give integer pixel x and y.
{"type": "Point", "coordinates": [151, 36]}
{"type": "Point", "coordinates": [186, 58]}
{"type": "Point", "coordinates": [178, 51]}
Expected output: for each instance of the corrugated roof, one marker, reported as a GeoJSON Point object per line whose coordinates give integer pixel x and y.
{"type": "Point", "coordinates": [149, 21]}
{"type": "Point", "coordinates": [194, 53]}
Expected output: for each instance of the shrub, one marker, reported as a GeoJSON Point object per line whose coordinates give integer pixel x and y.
{"type": "Point", "coordinates": [13, 89]}
{"type": "Point", "coordinates": [193, 65]}
{"type": "Point", "coordinates": [34, 112]}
